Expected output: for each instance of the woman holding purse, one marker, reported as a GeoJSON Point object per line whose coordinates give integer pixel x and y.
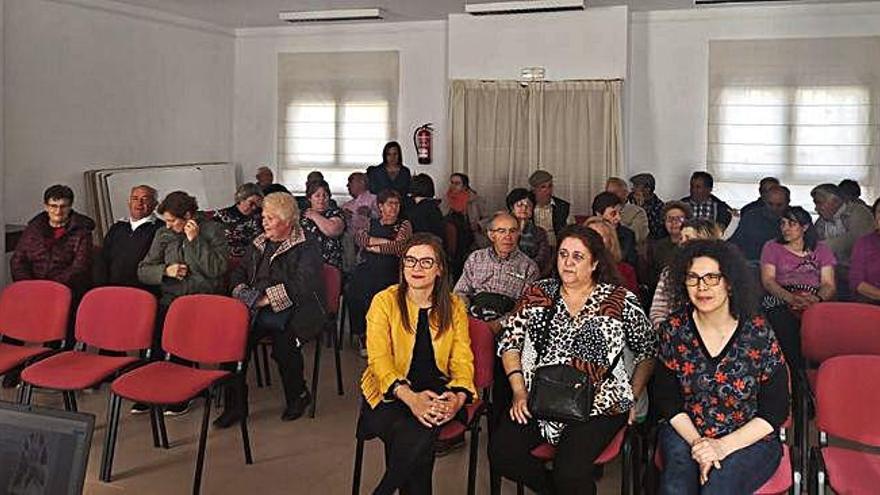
{"type": "Point", "coordinates": [580, 322]}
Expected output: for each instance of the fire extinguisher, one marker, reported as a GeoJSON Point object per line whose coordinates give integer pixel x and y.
{"type": "Point", "coordinates": [422, 139]}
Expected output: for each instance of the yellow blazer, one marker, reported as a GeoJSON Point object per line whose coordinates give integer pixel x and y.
{"type": "Point", "coordinates": [390, 346]}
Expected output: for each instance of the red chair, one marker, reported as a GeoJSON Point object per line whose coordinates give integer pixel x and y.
{"type": "Point", "coordinates": [32, 314]}
{"type": "Point", "coordinates": [203, 329]}
{"type": "Point", "coordinates": [846, 409]}
{"type": "Point", "coordinates": [119, 319]}
{"type": "Point", "coordinates": [828, 330]}
{"type": "Point", "coordinates": [483, 348]}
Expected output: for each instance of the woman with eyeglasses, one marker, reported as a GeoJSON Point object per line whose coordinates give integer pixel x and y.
{"type": "Point", "coordinates": [721, 389]}
{"type": "Point", "coordinates": [584, 319]}
{"type": "Point", "coordinates": [533, 240]}
{"type": "Point", "coordinates": [420, 369]}
{"type": "Point", "coordinates": [674, 214]}
{"type": "Point", "coordinates": [797, 271]}
{"type": "Point", "coordinates": [323, 222]}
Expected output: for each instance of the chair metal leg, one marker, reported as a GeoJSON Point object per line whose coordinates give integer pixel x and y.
{"type": "Point", "coordinates": [246, 441]}
{"type": "Point", "coordinates": [154, 425]}
{"type": "Point", "coordinates": [163, 433]}
{"type": "Point", "coordinates": [315, 374]}
{"type": "Point", "coordinates": [25, 393]}
{"type": "Point", "coordinates": [110, 437]}
{"type": "Point", "coordinates": [266, 373]}
{"type": "Point", "coordinates": [203, 440]}
{"type": "Point", "coordinates": [626, 457]}
{"type": "Point", "coordinates": [257, 368]}
{"type": "Point", "coordinates": [339, 389]}
{"type": "Point", "coordinates": [358, 465]}
{"type": "Point", "coordinates": [73, 405]}
{"type": "Point", "coordinates": [520, 489]}
{"type": "Point", "coordinates": [66, 398]}
{"type": "Point", "coordinates": [472, 459]}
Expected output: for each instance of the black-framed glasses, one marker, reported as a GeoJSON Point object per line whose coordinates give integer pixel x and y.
{"type": "Point", "coordinates": [424, 263]}
{"type": "Point", "coordinates": [709, 279]}
{"type": "Point", "coordinates": [504, 231]}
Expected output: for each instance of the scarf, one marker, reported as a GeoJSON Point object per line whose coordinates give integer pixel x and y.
{"type": "Point", "coordinates": [458, 200]}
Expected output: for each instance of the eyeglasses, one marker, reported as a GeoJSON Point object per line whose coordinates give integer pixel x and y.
{"type": "Point", "coordinates": [675, 219]}
{"type": "Point", "coordinates": [709, 279]}
{"type": "Point", "coordinates": [424, 263]}
{"type": "Point", "coordinates": [503, 231]}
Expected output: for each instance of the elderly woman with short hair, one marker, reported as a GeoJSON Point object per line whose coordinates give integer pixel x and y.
{"type": "Point", "coordinates": [241, 221]}
{"type": "Point", "coordinates": [279, 277]}
{"type": "Point", "coordinates": [324, 222]}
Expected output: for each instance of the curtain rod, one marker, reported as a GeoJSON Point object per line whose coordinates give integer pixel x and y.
{"type": "Point", "coordinates": [543, 80]}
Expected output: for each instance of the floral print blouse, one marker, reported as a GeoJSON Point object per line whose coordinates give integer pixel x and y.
{"type": "Point", "coordinates": [545, 334]}
{"type": "Point", "coordinates": [331, 247]}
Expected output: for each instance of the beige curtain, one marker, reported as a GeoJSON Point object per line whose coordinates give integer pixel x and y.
{"type": "Point", "coordinates": [502, 131]}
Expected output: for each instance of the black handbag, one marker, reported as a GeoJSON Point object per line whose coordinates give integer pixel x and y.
{"type": "Point", "coordinates": [563, 393]}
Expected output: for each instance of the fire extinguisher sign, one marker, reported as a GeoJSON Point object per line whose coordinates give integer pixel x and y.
{"type": "Point", "coordinates": [422, 140]}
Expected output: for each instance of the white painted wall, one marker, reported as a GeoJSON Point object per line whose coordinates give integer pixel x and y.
{"type": "Point", "coordinates": [423, 84]}
{"type": "Point", "coordinates": [667, 102]}
{"type": "Point", "coordinates": [570, 45]}
{"type": "Point", "coordinates": [91, 83]}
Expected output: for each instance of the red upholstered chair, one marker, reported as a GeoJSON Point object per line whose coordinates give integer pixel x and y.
{"type": "Point", "coordinates": [33, 313]}
{"type": "Point", "coordinates": [831, 329]}
{"type": "Point", "coordinates": [119, 319]}
{"type": "Point", "coordinates": [848, 397]}
{"type": "Point", "coordinates": [203, 329]}
{"type": "Point", "coordinates": [483, 349]}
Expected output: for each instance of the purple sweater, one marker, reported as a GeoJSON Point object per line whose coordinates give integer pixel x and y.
{"type": "Point", "coordinates": [865, 261]}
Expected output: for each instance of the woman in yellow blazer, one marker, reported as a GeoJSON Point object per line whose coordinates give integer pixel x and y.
{"type": "Point", "coordinates": [420, 370]}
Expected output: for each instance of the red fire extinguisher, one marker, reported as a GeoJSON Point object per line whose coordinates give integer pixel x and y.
{"type": "Point", "coordinates": [422, 139]}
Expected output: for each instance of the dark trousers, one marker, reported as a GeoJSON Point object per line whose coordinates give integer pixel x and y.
{"type": "Point", "coordinates": [502, 395]}
{"type": "Point", "coordinates": [743, 471]}
{"type": "Point", "coordinates": [409, 452]}
{"type": "Point", "coordinates": [787, 327]}
{"type": "Point", "coordinates": [573, 468]}
{"type": "Point", "coordinates": [366, 282]}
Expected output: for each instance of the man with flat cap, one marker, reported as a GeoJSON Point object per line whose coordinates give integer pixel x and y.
{"type": "Point", "coordinates": [551, 213]}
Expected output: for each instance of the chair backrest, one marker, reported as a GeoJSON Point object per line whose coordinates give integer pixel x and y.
{"type": "Point", "coordinates": [848, 398]}
{"type": "Point", "coordinates": [116, 318]}
{"type": "Point", "coordinates": [483, 348]}
{"type": "Point", "coordinates": [35, 311]}
{"type": "Point", "coordinates": [206, 328]}
{"type": "Point", "coordinates": [332, 287]}
{"type": "Point", "coordinates": [839, 328]}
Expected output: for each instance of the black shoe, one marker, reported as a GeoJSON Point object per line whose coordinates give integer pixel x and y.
{"type": "Point", "coordinates": [443, 447]}
{"type": "Point", "coordinates": [178, 409]}
{"type": "Point", "coordinates": [296, 409]}
{"type": "Point", "coordinates": [11, 380]}
{"type": "Point", "coordinates": [139, 408]}
{"type": "Point", "coordinates": [228, 418]}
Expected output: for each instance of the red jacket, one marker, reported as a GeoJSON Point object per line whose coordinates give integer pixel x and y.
{"type": "Point", "coordinates": [67, 259]}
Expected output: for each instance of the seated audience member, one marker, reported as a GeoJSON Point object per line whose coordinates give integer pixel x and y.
{"type": "Point", "coordinates": [462, 209]}
{"type": "Point", "coordinates": [381, 246]}
{"type": "Point", "coordinates": [704, 204]}
{"type": "Point", "coordinates": [663, 304]}
{"type": "Point", "coordinates": [265, 178]}
{"type": "Point", "coordinates": [128, 241]}
{"type": "Point", "coordinates": [551, 213]}
{"type": "Point", "coordinates": [721, 386]}
{"type": "Point", "coordinates": [56, 244]}
{"type": "Point", "coordinates": [584, 319]}
{"type": "Point", "coordinates": [675, 213]}
{"type": "Point", "coordinates": [302, 202]}
{"type": "Point", "coordinates": [864, 273]}
{"type": "Point", "coordinates": [420, 370]}
{"type": "Point", "coordinates": [279, 279]}
{"type": "Point", "coordinates": [323, 222]}
{"type": "Point", "coordinates": [607, 206]}
{"type": "Point", "coordinates": [241, 221]}
{"type": "Point", "coordinates": [761, 224]}
{"type": "Point", "coordinates": [273, 188]}
{"type": "Point", "coordinates": [643, 196]}
{"type": "Point", "coordinates": [358, 212]}
{"type": "Point", "coordinates": [851, 192]}
{"type": "Point", "coordinates": [609, 238]}
{"type": "Point", "coordinates": [764, 187]}
{"type": "Point", "coordinates": [391, 173]}
{"type": "Point", "coordinates": [424, 212]}
{"type": "Point", "coordinates": [797, 271]}
{"type": "Point", "coordinates": [840, 223]}
{"type": "Point", "coordinates": [532, 239]}
{"type": "Point", "coordinates": [632, 216]}
{"type": "Point", "coordinates": [189, 255]}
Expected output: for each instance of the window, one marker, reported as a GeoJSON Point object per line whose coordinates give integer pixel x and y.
{"type": "Point", "coordinates": [336, 112]}
{"type": "Point", "coordinates": [805, 124]}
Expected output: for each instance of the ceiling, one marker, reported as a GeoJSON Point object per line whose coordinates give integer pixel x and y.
{"type": "Point", "coordinates": [260, 13]}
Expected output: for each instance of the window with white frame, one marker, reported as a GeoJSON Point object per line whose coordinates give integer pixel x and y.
{"type": "Point", "coordinates": [804, 111]}
{"type": "Point", "coordinates": [336, 111]}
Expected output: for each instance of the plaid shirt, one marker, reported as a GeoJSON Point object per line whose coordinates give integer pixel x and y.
{"type": "Point", "coordinates": [654, 209]}
{"type": "Point", "coordinates": [484, 271]}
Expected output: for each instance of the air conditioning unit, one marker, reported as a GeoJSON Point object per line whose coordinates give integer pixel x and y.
{"type": "Point", "coordinates": [331, 15]}
{"type": "Point", "coordinates": [523, 6]}
{"type": "Point", "coordinates": [735, 2]}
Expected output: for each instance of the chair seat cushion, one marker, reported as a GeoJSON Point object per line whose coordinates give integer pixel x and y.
{"type": "Point", "coordinates": [453, 428]}
{"type": "Point", "coordinates": [546, 452]}
{"type": "Point", "coordinates": [851, 471]}
{"type": "Point", "coordinates": [165, 382]}
{"type": "Point", "coordinates": [13, 355]}
{"type": "Point", "coordinates": [74, 370]}
{"type": "Point", "coordinates": [780, 482]}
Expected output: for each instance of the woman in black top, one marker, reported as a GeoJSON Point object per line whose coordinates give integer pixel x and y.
{"type": "Point", "coordinates": [424, 214]}
{"type": "Point", "coordinates": [324, 222]}
{"type": "Point", "coordinates": [391, 173]}
{"type": "Point", "coordinates": [722, 386]}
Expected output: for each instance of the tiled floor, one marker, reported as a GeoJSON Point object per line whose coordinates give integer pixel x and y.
{"type": "Point", "coordinates": [308, 456]}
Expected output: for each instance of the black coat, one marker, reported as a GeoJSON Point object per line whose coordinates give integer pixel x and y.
{"type": "Point", "coordinates": [426, 216]}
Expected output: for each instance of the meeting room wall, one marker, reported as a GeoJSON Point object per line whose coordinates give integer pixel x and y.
{"type": "Point", "coordinates": [667, 103]}
{"type": "Point", "coordinates": [91, 84]}
{"type": "Point", "coordinates": [422, 82]}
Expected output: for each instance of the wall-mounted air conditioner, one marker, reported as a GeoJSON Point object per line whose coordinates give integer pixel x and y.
{"type": "Point", "coordinates": [523, 6]}
{"type": "Point", "coordinates": [331, 15]}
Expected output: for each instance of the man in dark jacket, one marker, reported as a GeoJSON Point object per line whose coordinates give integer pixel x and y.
{"type": "Point", "coordinates": [56, 245]}
{"type": "Point", "coordinates": [759, 225]}
{"type": "Point", "coordinates": [551, 213]}
{"type": "Point", "coordinates": [704, 204]}
{"type": "Point", "coordinates": [128, 241]}
{"type": "Point", "coordinates": [280, 280]}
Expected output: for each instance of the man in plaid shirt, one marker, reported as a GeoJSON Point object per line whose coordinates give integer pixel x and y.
{"type": "Point", "coordinates": [704, 204]}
